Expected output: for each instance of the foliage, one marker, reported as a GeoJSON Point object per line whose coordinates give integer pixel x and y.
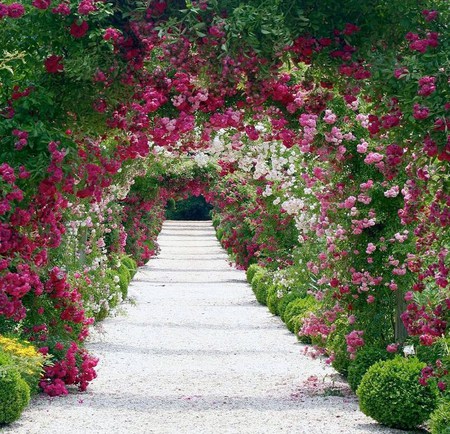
{"type": "Point", "coordinates": [130, 264]}
{"type": "Point", "coordinates": [14, 394]}
{"type": "Point", "coordinates": [390, 393]}
{"type": "Point", "coordinates": [365, 358]}
{"type": "Point", "coordinates": [193, 208]}
{"type": "Point", "coordinates": [318, 131]}
{"type": "Point", "coordinates": [297, 310]}
{"type": "Point", "coordinates": [284, 302]}
{"type": "Point", "coordinates": [440, 418]}
{"type": "Point", "coordinates": [261, 283]}
{"type": "Point", "coordinates": [24, 358]}
{"type": "Point", "coordinates": [252, 270]}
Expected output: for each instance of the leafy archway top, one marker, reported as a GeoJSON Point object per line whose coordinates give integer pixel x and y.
{"type": "Point", "coordinates": [108, 108]}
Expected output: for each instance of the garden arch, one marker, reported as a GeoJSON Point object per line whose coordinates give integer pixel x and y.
{"type": "Point", "coordinates": [321, 130]}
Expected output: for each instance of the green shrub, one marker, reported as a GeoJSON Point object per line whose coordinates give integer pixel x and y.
{"type": "Point", "coordinates": [284, 302]}
{"type": "Point", "coordinates": [130, 263]}
{"type": "Point", "coordinates": [124, 280]}
{"type": "Point", "coordinates": [391, 394]}
{"type": "Point", "coordinates": [297, 322]}
{"type": "Point", "coordinates": [171, 204]}
{"type": "Point", "coordinates": [192, 208]}
{"type": "Point", "coordinates": [102, 313]}
{"type": "Point", "coordinates": [298, 309]}
{"type": "Point", "coordinates": [273, 299]}
{"type": "Point", "coordinates": [336, 344]}
{"type": "Point", "coordinates": [261, 283]}
{"type": "Point", "coordinates": [215, 220]}
{"type": "Point", "coordinates": [5, 359]}
{"type": "Point", "coordinates": [251, 271]}
{"type": "Point", "coordinates": [440, 418]}
{"type": "Point", "coordinates": [123, 269]}
{"type": "Point", "coordinates": [365, 358]}
{"type": "Point", "coordinates": [24, 357]}
{"type": "Point", "coordinates": [219, 233]}
{"type": "Point", "coordinates": [14, 394]}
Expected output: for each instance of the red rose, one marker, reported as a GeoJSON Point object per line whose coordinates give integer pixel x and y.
{"type": "Point", "coordinates": [15, 10]}
{"type": "Point", "coordinates": [79, 30]}
{"type": "Point", "coordinates": [53, 64]}
{"type": "Point", "coordinates": [41, 4]}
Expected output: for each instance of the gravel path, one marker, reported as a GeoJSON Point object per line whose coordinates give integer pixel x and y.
{"type": "Point", "coordinates": [197, 354]}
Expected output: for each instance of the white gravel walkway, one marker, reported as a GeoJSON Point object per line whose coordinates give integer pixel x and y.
{"type": "Point", "coordinates": [197, 354]}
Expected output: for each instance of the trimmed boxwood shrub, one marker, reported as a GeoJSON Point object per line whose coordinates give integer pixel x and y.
{"type": "Point", "coordinates": [365, 358]}
{"type": "Point", "coordinates": [284, 302]}
{"type": "Point", "coordinates": [391, 394]}
{"type": "Point", "coordinates": [298, 324]}
{"type": "Point", "coordinates": [14, 394]}
{"type": "Point", "coordinates": [124, 280]}
{"type": "Point", "coordinates": [130, 263]}
{"type": "Point", "coordinates": [336, 344]}
{"type": "Point", "coordinates": [260, 285]}
{"type": "Point", "coordinates": [297, 309]}
{"type": "Point", "coordinates": [252, 270]}
{"type": "Point", "coordinates": [440, 418]}
{"type": "Point", "coordinates": [273, 299]}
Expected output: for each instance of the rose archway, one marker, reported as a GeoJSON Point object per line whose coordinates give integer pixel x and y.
{"type": "Point", "coordinates": [319, 132]}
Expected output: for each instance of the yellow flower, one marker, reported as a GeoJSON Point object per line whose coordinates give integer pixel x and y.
{"type": "Point", "coordinates": [16, 348]}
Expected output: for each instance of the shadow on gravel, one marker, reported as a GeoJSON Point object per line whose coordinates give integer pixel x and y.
{"type": "Point", "coordinates": [198, 326]}
{"type": "Point", "coordinates": [199, 235]}
{"type": "Point", "coordinates": [370, 427]}
{"type": "Point", "coordinates": [191, 282]}
{"type": "Point", "coordinates": [108, 347]}
{"type": "Point", "coordinates": [191, 270]}
{"type": "Point", "coordinates": [223, 258]}
{"type": "Point", "coordinates": [177, 255]}
{"type": "Point", "coordinates": [204, 403]}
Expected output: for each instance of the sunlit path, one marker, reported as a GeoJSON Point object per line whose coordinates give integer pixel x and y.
{"type": "Point", "coordinates": [197, 354]}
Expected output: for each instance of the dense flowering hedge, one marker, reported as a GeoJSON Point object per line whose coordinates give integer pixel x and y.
{"type": "Point", "coordinates": [320, 136]}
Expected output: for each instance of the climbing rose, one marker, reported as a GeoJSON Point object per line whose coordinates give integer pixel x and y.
{"type": "Point", "coordinates": [362, 147]}
{"type": "Point", "coordinates": [3, 11]}
{"type": "Point", "coordinates": [62, 9]}
{"type": "Point", "coordinates": [427, 86]}
{"type": "Point", "coordinates": [429, 15]}
{"type": "Point", "coordinates": [111, 33]}
{"type": "Point", "coordinates": [79, 30]}
{"type": "Point", "coordinates": [15, 10]}
{"type": "Point", "coordinates": [392, 348]}
{"type": "Point", "coordinates": [86, 7]}
{"type": "Point", "coordinates": [420, 112]}
{"type": "Point", "coordinates": [373, 157]}
{"type": "Point", "coordinates": [53, 64]}
{"type": "Point", "coordinates": [41, 4]}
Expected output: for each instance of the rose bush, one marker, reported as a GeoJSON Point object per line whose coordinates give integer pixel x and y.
{"type": "Point", "coordinates": [319, 134]}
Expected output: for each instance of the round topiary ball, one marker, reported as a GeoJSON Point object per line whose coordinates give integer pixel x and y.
{"type": "Point", "coordinates": [365, 358]}
{"type": "Point", "coordinates": [299, 306]}
{"type": "Point", "coordinates": [273, 299]}
{"type": "Point", "coordinates": [440, 419]}
{"type": "Point", "coordinates": [261, 289]}
{"type": "Point", "coordinates": [251, 271]}
{"type": "Point", "coordinates": [124, 281]}
{"type": "Point", "coordinates": [391, 394]}
{"type": "Point", "coordinates": [260, 285]}
{"type": "Point", "coordinates": [14, 395]}
{"type": "Point", "coordinates": [130, 263]}
{"type": "Point", "coordinates": [284, 302]}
